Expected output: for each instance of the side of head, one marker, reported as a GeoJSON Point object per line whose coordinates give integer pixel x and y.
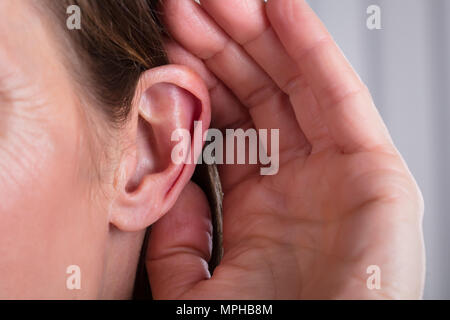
{"type": "Point", "coordinates": [86, 118]}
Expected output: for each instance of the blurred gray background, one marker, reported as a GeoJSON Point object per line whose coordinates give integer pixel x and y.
{"type": "Point", "coordinates": [406, 66]}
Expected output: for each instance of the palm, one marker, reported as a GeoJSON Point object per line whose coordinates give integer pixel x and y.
{"type": "Point", "coordinates": [342, 200]}
{"type": "Point", "coordinates": [325, 231]}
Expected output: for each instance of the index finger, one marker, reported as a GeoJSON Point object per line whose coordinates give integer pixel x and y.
{"type": "Point", "coordinates": [346, 106]}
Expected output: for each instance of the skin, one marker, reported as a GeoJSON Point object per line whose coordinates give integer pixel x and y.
{"type": "Point", "coordinates": [76, 192]}
{"type": "Point", "coordinates": [73, 191]}
{"type": "Point", "coordinates": [44, 174]}
{"type": "Point", "coordinates": [343, 199]}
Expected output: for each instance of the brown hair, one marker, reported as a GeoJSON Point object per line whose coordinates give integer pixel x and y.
{"type": "Point", "coordinates": [118, 40]}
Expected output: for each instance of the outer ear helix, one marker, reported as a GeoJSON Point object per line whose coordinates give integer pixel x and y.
{"type": "Point", "coordinates": [181, 98]}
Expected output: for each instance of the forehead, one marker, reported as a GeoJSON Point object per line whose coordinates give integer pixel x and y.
{"type": "Point", "coordinates": [22, 32]}
{"type": "Point", "coordinates": [18, 24]}
{"type": "Point", "coordinates": [26, 48]}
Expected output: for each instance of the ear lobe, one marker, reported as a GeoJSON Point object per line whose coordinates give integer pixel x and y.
{"type": "Point", "coordinates": [168, 98]}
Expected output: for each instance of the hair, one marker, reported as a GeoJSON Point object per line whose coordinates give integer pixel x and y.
{"type": "Point", "coordinates": [117, 42]}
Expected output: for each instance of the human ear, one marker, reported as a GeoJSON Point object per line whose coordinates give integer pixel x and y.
{"type": "Point", "coordinates": [168, 99]}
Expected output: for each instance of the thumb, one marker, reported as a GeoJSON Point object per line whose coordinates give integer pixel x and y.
{"type": "Point", "coordinates": [180, 245]}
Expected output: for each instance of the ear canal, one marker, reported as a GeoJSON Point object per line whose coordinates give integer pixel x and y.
{"type": "Point", "coordinates": [164, 108]}
{"type": "Point", "coordinates": [147, 155]}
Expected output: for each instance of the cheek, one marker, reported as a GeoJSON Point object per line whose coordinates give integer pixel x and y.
{"type": "Point", "coordinates": [47, 218]}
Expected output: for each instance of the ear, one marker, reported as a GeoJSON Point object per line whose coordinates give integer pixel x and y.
{"type": "Point", "coordinates": [168, 100]}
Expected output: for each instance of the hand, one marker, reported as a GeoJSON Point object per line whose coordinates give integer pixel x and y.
{"type": "Point", "coordinates": [343, 198]}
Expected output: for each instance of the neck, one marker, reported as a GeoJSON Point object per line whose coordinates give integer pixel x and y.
{"type": "Point", "coordinates": [121, 262]}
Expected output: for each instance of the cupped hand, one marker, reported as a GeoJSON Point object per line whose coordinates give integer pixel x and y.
{"type": "Point", "coordinates": [343, 199]}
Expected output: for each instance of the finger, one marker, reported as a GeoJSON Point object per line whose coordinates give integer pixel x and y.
{"type": "Point", "coordinates": [227, 111]}
{"type": "Point", "coordinates": [268, 106]}
{"type": "Point", "coordinates": [246, 22]}
{"type": "Point", "coordinates": [180, 245]}
{"type": "Point", "coordinates": [345, 104]}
